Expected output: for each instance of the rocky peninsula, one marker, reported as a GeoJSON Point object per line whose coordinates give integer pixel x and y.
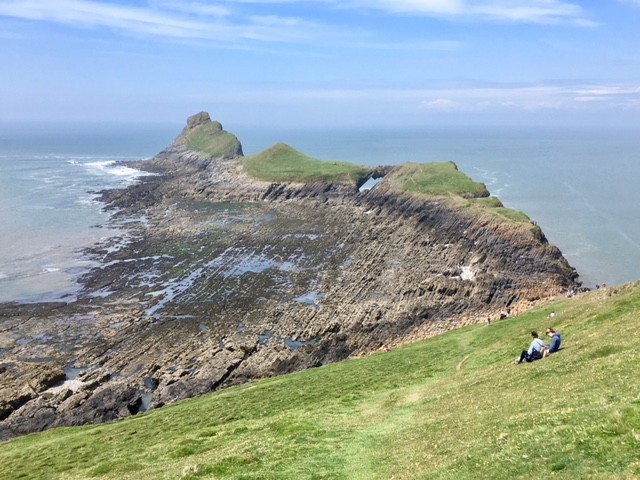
{"type": "Point", "coordinates": [232, 268]}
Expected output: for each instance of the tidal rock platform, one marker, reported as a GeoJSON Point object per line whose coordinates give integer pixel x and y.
{"type": "Point", "coordinates": [222, 276]}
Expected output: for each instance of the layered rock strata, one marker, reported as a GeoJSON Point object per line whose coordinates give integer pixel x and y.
{"type": "Point", "coordinates": [219, 279]}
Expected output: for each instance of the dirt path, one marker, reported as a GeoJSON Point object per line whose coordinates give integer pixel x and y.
{"type": "Point", "coordinates": [459, 365]}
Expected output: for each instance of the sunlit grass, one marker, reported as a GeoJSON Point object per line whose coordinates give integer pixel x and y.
{"type": "Point", "coordinates": [282, 163]}
{"type": "Point", "coordinates": [436, 179]}
{"type": "Point", "coordinates": [212, 140]}
{"type": "Point", "coordinates": [451, 407]}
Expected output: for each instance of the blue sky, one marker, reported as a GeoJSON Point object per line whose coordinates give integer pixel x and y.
{"type": "Point", "coordinates": [311, 63]}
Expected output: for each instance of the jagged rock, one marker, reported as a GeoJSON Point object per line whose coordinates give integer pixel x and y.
{"type": "Point", "coordinates": [198, 119]}
{"type": "Point", "coordinates": [21, 382]}
{"type": "Point", "coordinates": [227, 279]}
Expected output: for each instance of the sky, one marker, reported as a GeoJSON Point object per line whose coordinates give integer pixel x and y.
{"type": "Point", "coordinates": [322, 62]}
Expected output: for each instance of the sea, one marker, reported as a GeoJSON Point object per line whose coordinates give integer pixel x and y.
{"type": "Point", "coordinates": [579, 184]}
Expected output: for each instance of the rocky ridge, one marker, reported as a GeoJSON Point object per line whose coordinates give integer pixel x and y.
{"type": "Point", "coordinates": [219, 279]}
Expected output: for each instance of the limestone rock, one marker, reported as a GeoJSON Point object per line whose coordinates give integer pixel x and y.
{"type": "Point", "coordinates": [198, 119]}
{"type": "Point", "coordinates": [222, 279]}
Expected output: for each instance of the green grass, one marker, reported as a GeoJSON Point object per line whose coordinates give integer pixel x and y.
{"type": "Point", "coordinates": [495, 206]}
{"type": "Point", "coordinates": [451, 407]}
{"type": "Point", "coordinates": [436, 179]}
{"type": "Point", "coordinates": [282, 163]}
{"type": "Point", "coordinates": [210, 139]}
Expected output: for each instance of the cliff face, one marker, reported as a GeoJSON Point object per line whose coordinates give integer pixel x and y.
{"type": "Point", "coordinates": [222, 279]}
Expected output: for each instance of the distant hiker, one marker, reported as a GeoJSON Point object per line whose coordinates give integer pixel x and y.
{"type": "Point", "coordinates": [556, 340]}
{"type": "Point", "coordinates": [489, 319]}
{"type": "Point", "coordinates": [534, 352]}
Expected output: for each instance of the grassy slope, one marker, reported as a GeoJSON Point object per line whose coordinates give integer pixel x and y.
{"type": "Point", "coordinates": [437, 179]}
{"type": "Point", "coordinates": [444, 179]}
{"type": "Point", "coordinates": [452, 407]}
{"type": "Point", "coordinates": [494, 205]}
{"type": "Point", "coordinates": [211, 140]}
{"type": "Point", "coordinates": [282, 163]}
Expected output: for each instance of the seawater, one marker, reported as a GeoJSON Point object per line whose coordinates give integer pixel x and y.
{"type": "Point", "coordinates": [49, 212]}
{"type": "Point", "coordinates": [579, 185]}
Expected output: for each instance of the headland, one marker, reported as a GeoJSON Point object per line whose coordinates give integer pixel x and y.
{"type": "Point", "coordinates": [234, 268]}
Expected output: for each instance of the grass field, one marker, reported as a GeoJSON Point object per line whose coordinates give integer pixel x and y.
{"type": "Point", "coordinates": [282, 163]}
{"type": "Point", "coordinates": [451, 407]}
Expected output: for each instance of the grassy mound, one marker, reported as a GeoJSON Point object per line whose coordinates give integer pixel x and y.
{"type": "Point", "coordinates": [445, 180]}
{"type": "Point", "coordinates": [436, 179]}
{"type": "Point", "coordinates": [494, 206]}
{"type": "Point", "coordinates": [209, 138]}
{"type": "Point", "coordinates": [452, 407]}
{"type": "Point", "coordinates": [282, 163]}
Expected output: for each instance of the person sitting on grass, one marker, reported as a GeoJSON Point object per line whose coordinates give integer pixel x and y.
{"type": "Point", "coordinates": [534, 352]}
{"type": "Point", "coordinates": [556, 340]}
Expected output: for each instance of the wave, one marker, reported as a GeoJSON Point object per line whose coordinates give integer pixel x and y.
{"type": "Point", "coordinates": [115, 168]}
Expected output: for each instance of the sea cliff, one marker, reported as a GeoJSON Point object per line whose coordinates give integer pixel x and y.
{"type": "Point", "coordinates": [232, 268]}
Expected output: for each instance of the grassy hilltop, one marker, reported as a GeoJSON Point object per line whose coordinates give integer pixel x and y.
{"type": "Point", "coordinates": [282, 163]}
{"type": "Point", "coordinates": [207, 137]}
{"type": "Point", "coordinates": [451, 407]}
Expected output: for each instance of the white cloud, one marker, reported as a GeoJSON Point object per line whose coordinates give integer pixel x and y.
{"type": "Point", "coordinates": [542, 11]}
{"type": "Point", "coordinates": [195, 8]}
{"type": "Point", "coordinates": [221, 22]}
{"type": "Point", "coordinates": [528, 98]}
{"type": "Point", "coordinates": [442, 104]}
{"type": "Point", "coordinates": [189, 20]}
{"type": "Point", "coordinates": [523, 11]}
{"type": "Point", "coordinates": [622, 96]}
{"type": "Point", "coordinates": [89, 13]}
{"type": "Point", "coordinates": [427, 7]}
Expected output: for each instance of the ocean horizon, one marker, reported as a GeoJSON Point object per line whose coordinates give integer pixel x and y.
{"type": "Point", "coordinates": [578, 184]}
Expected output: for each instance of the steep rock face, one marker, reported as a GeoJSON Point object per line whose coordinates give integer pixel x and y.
{"type": "Point", "coordinates": [201, 142]}
{"type": "Point", "coordinates": [196, 120]}
{"type": "Point", "coordinates": [222, 279]}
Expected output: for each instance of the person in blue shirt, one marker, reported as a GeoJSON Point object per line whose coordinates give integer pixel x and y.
{"type": "Point", "coordinates": [534, 352]}
{"type": "Point", "coordinates": [556, 340]}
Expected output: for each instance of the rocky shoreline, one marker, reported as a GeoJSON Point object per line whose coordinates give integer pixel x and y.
{"type": "Point", "coordinates": [221, 279]}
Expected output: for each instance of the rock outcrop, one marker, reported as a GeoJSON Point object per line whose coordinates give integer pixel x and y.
{"type": "Point", "coordinates": [220, 279]}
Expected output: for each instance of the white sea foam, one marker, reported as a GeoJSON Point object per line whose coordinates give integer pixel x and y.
{"type": "Point", "coordinates": [88, 200]}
